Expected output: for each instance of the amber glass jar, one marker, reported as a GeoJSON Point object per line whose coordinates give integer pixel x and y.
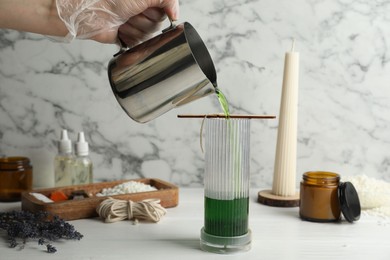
{"type": "Point", "coordinates": [319, 200]}
{"type": "Point", "coordinates": [15, 177]}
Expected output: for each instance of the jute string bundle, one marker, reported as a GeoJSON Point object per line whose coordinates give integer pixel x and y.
{"type": "Point", "coordinates": [113, 210]}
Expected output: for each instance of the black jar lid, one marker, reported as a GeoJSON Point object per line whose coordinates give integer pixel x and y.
{"type": "Point", "coordinates": [349, 201]}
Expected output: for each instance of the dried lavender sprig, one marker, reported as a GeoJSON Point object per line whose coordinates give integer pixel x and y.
{"type": "Point", "coordinates": [26, 225]}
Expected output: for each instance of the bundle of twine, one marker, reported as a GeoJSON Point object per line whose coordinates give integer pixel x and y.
{"type": "Point", "coordinates": [113, 210]}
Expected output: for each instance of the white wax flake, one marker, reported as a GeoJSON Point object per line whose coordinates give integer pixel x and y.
{"type": "Point", "coordinates": [383, 212]}
{"type": "Point", "coordinates": [126, 187]}
{"type": "Point", "coordinates": [41, 197]}
{"type": "Point", "coordinates": [374, 195]}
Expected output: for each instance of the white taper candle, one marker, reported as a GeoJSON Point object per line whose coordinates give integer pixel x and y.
{"type": "Point", "coordinates": [284, 181]}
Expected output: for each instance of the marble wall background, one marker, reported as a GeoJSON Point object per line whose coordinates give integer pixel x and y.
{"type": "Point", "coordinates": [344, 93]}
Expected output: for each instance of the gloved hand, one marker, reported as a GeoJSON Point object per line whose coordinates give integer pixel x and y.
{"type": "Point", "coordinates": [104, 20]}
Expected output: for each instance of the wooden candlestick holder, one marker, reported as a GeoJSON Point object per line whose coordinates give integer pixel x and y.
{"type": "Point", "coordinates": [266, 197]}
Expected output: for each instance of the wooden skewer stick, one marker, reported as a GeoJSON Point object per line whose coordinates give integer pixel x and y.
{"type": "Point", "coordinates": [230, 116]}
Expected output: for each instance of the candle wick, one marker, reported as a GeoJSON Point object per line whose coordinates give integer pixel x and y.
{"type": "Point", "coordinates": [293, 45]}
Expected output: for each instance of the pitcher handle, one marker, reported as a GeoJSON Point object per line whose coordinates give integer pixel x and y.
{"type": "Point", "coordinates": [123, 46]}
{"type": "Point", "coordinates": [171, 26]}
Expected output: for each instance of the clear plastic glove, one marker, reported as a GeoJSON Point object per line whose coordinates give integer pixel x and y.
{"type": "Point", "coordinates": [104, 20]}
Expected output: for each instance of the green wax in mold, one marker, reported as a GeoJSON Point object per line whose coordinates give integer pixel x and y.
{"type": "Point", "coordinates": [226, 218]}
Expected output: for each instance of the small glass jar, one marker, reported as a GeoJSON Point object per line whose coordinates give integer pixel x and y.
{"type": "Point", "coordinates": [15, 177]}
{"type": "Point", "coordinates": [319, 199]}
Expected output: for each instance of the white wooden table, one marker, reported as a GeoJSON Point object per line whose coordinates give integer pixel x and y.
{"type": "Point", "coordinates": [277, 233]}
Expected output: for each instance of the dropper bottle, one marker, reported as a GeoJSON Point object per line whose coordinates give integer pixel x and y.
{"type": "Point", "coordinates": [63, 170]}
{"type": "Point", "coordinates": [82, 165]}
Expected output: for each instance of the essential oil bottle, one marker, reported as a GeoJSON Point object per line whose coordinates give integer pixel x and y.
{"type": "Point", "coordinates": [63, 169]}
{"type": "Point", "coordinates": [82, 165]}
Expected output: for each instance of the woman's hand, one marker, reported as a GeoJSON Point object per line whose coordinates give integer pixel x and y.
{"type": "Point", "coordinates": [132, 20]}
{"type": "Point", "coordinates": [101, 20]}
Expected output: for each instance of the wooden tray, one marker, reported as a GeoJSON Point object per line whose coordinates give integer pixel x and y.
{"type": "Point", "coordinates": [86, 208]}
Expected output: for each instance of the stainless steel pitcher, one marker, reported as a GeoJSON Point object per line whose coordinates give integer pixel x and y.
{"type": "Point", "coordinates": [169, 70]}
